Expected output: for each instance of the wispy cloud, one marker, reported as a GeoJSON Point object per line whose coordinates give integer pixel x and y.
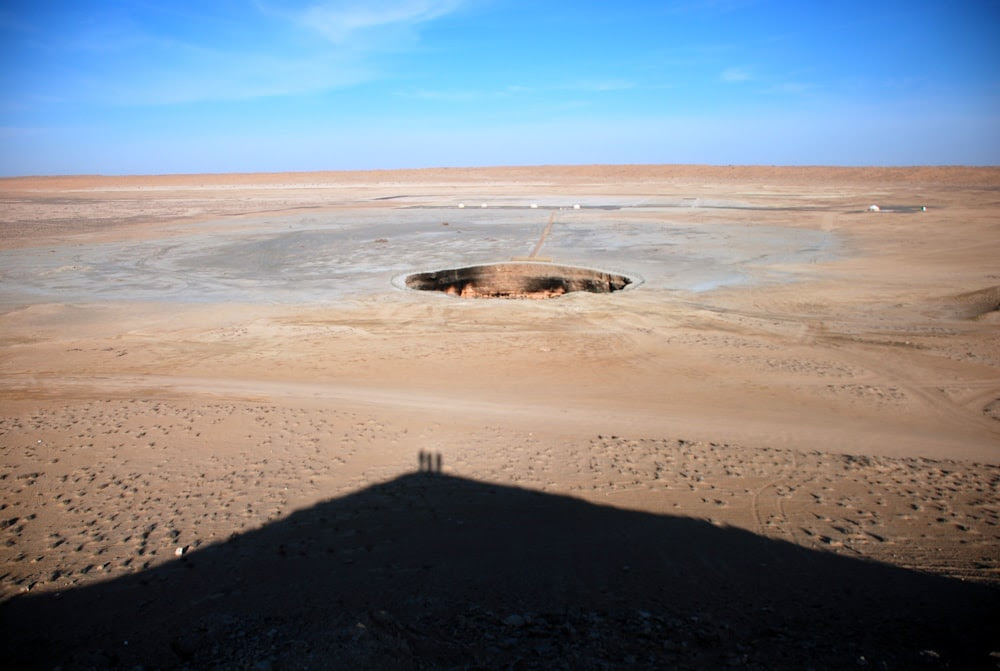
{"type": "Point", "coordinates": [514, 90]}
{"type": "Point", "coordinates": [341, 22]}
{"type": "Point", "coordinates": [154, 57]}
{"type": "Point", "coordinates": [452, 95]}
{"type": "Point", "coordinates": [235, 75]}
{"type": "Point", "coordinates": [736, 74]}
{"type": "Point", "coordinates": [794, 88]}
{"type": "Point", "coordinates": [708, 6]}
{"type": "Point", "coordinates": [600, 85]}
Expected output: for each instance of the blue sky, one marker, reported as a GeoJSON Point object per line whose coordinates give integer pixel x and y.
{"type": "Point", "coordinates": [273, 85]}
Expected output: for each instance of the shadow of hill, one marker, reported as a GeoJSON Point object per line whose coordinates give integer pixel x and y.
{"type": "Point", "coordinates": [432, 571]}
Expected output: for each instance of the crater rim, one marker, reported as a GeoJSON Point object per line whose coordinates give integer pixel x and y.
{"type": "Point", "coordinates": [517, 280]}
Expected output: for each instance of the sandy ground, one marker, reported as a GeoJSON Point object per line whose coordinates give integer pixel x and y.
{"type": "Point", "coordinates": [780, 448]}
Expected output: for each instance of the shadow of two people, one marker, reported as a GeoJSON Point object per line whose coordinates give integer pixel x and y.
{"type": "Point", "coordinates": [429, 462]}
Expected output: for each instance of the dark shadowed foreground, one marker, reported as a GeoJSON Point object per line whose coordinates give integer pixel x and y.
{"type": "Point", "coordinates": [431, 571]}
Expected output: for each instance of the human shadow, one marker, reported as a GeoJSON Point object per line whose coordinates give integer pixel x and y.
{"type": "Point", "coordinates": [430, 462]}
{"type": "Point", "coordinates": [429, 570]}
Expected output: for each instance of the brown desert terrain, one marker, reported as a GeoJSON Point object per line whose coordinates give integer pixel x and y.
{"type": "Point", "coordinates": [232, 438]}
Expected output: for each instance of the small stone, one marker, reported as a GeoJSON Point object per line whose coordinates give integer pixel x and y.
{"type": "Point", "coordinates": [514, 621]}
{"type": "Point", "coordinates": [179, 552]}
{"type": "Point", "coordinates": [185, 646]}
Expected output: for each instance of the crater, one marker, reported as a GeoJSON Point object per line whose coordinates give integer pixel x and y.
{"type": "Point", "coordinates": [519, 280]}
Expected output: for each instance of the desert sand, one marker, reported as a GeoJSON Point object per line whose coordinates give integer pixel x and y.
{"type": "Point", "coordinates": [779, 447]}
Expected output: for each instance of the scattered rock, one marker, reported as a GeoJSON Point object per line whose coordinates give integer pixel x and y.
{"type": "Point", "coordinates": [514, 621]}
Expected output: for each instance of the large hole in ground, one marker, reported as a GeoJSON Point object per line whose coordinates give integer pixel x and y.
{"type": "Point", "coordinates": [517, 280]}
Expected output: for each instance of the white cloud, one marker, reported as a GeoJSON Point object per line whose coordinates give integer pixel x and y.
{"type": "Point", "coordinates": [708, 6]}
{"type": "Point", "coordinates": [600, 85]}
{"type": "Point", "coordinates": [340, 22]}
{"type": "Point", "coordinates": [239, 76]}
{"type": "Point", "coordinates": [794, 88]}
{"type": "Point", "coordinates": [515, 90]}
{"type": "Point", "coordinates": [449, 95]}
{"type": "Point", "coordinates": [736, 74]}
{"type": "Point", "coordinates": [284, 48]}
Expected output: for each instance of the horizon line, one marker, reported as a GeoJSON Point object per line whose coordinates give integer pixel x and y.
{"type": "Point", "coordinates": [539, 166]}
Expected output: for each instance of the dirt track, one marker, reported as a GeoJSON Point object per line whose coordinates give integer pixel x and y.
{"type": "Point", "coordinates": [187, 358]}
